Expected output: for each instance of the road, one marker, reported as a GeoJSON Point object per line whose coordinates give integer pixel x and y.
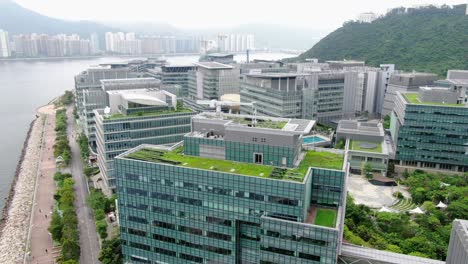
{"type": "Point", "coordinates": [89, 241]}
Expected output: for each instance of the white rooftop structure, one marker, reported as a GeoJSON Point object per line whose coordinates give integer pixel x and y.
{"type": "Point", "coordinates": [441, 205]}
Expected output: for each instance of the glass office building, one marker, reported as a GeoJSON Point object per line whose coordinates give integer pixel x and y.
{"type": "Point", "coordinates": [198, 204]}
{"type": "Point", "coordinates": [135, 117]}
{"type": "Point", "coordinates": [430, 134]}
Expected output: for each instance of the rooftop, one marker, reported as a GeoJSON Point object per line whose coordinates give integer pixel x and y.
{"type": "Point", "coordinates": [212, 65]}
{"type": "Point", "coordinates": [297, 126]}
{"type": "Point", "coordinates": [366, 146]}
{"type": "Point", "coordinates": [413, 98]}
{"type": "Point", "coordinates": [151, 113]}
{"type": "Point", "coordinates": [275, 75]}
{"type": "Point", "coordinates": [220, 55]}
{"type": "Point", "coordinates": [176, 157]}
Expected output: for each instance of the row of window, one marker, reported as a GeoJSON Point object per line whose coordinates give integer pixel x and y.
{"type": "Point", "coordinates": [291, 253]}
{"type": "Point", "coordinates": [208, 189]}
{"type": "Point", "coordinates": [172, 240]}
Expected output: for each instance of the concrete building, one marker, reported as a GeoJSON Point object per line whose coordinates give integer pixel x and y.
{"type": "Point", "coordinates": [89, 94]}
{"type": "Point", "coordinates": [240, 191]}
{"type": "Point", "coordinates": [367, 17]}
{"type": "Point", "coordinates": [235, 42]}
{"type": "Point", "coordinates": [340, 65]}
{"type": "Point", "coordinates": [211, 80]}
{"type": "Point", "coordinates": [404, 82]}
{"type": "Point", "coordinates": [326, 96]}
{"type": "Point", "coordinates": [365, 144]}
{"type": "Point", "coordinates": [429, 129]}
{"type": "Point", "coordinates": [5, 50]}
{"type": "Point", "coordinates": [174, 75]}
{"type": "Point", "coordinates": [458, 246]}
{"type": "Point", "coordinates": [135, 117]}
{"type": "Point", "coordinates": [225, 58]}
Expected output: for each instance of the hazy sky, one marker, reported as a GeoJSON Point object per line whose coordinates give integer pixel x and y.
{"type": "Point", "coordinates": [318, 14]}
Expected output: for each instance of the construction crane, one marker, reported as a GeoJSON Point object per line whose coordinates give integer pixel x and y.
{"type": "Point", "coordinates": [218, 104]}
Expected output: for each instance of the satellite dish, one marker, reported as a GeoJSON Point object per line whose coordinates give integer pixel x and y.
{"type": "Point", "coordinates": [107, 111]}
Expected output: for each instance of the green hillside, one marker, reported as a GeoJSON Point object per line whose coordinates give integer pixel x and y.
{"type": "Point", "coordinates": [424, 39]}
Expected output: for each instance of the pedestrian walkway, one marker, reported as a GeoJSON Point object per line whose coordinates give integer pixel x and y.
{"type": "Point", "coordinates": [42, 251]}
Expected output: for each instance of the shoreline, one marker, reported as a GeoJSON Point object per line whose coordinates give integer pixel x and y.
{"type": "Point", "coordinates": [17, 212]}
{"type": "Point", "coordinates": [11, 193]}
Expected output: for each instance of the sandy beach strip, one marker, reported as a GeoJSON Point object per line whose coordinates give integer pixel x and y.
{"type": "Point", "coordinates": [16, 219]}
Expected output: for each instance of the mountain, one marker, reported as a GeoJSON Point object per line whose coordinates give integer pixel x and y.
{"type": "Point", "coordinates": [432, 39]}
{"type": "Point", "coordinates": [18, 20]}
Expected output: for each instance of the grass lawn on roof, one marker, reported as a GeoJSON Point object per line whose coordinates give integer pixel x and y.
{"type": "Point", "coordinates": [325, 217]}
{"type": "Point", "coordinates": [312, 159]}
{"type": "Point", "coordinates": [356, 145]}
{"type": "Point", "coordinates": [152, 113]}
{"type": "Point", "coordinates": [413, 98]}
{"type": "Point", "coordinates": [326, 160]}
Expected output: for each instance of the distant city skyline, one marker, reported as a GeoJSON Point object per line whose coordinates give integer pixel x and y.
{"type": "Point", "coordinates": [326, 15]}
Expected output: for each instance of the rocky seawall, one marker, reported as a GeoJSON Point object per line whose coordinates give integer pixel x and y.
{"type": "Point", "coordinates": [16, 214]}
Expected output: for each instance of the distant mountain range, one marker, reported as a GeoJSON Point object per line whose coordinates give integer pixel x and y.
{"type": "Point", "coordinates": [432, 39]}
{"type": "Point", "coordinates": [19, 20]}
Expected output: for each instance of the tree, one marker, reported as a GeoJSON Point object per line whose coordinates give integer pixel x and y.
{"type": "Point", "coordinates": [56, 226]}
{"type": "Point", "coordinates": [367, 169]}
{"type": "Point", "coordinates": [111, 252]}
{"type": "Point", "coordinates": [71, 261]}
{"type": "Point", "coordinates": [70, 250]}
{"type": "Point", "coordinates": [459, 208]}
{"type": "Point", "coordinates": [386, 122]}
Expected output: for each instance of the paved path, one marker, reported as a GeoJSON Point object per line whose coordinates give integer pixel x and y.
{"type": "Point", "coordinates": [371, 195]}
{"type": "Point", "coordinates": [41, 239]}
{"type": "Point", "coordinates": [89, 240]}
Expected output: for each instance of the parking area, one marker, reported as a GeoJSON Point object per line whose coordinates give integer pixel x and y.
{"type": "Point", "coordinates": [371, 195]}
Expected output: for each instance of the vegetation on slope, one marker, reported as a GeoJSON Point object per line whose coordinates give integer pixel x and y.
{"type": "Point", "coordinates": [425, 235]}
{"type": "Point", "coordinates": [428, 39]}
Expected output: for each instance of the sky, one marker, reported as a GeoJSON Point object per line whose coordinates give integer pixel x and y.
{"type": "Point", "coordinates": [316, 14]}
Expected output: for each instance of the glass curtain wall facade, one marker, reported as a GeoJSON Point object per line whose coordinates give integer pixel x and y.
{"type": "Point", "coordinates": [430, 136]}
{"type": "Point", "coordinates": [175, 214]}
{"type": "Point", "coordinates": [115, 136]}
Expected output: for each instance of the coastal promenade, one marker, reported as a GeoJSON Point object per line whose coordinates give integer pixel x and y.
{"type": "Point", "coordinates": [42, 251]}
{"type": "Point", "coordinates": [16, 222]}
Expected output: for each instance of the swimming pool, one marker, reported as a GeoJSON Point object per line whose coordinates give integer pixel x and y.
{"type": "Point", "coordinates": [313, 139]}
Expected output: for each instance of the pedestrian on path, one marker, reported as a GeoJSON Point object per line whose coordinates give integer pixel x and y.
{"type": "Point", "coordinates": [45, 216]}
{"type": "Point", "coordinates": [46, 251]}
{"type": "Point", "coordinates": [40, 211]}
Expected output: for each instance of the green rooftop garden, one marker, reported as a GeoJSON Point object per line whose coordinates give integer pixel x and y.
{"type": "Point", "coordinates": [176, 157]}
{"type": "Point", "coordinates": [325, 217]}
{"type": "Point", "coordinates": [360, 146]}
{"type": "Point", "coordinates": [261, 123]}
{"type": "Point", "coordinates": [150, 113]}
{"type": "Point", "coordinates": [413, 98]}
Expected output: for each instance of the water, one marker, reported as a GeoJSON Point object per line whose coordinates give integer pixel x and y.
{"type": "Point", "coordinates": [313, 139]}
{"type": "Point", "coordinates": [27, 85]}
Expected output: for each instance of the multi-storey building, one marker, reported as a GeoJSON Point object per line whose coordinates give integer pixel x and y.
{"type": "Point", "coordinates": [429, 129]}
{"type": "Point", "coordinates": [135, 117]}
{"type": "Point", "coordinates": [5, 50]}
{"type": "Point", "coordinates": [326, 96]}
{"type": "Point", "coordinates": [404, 82]}
{"type": "Point", "coordinates": [211, 80]}
{"type": "Point", "coordinates": [458, 246]}
{"type": "Point", "coordinates": [174, 75]}
{"type": "Point", "coordinates": [89, 94]}
{"type": "Point", "coordinates": [241, 190]}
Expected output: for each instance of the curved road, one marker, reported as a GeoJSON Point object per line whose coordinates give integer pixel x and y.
{"type": "Point", "coordinates": [89, 240]}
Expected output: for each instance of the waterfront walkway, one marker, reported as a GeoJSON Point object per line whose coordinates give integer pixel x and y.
{"type": "Point", "coordinates": [42, 251]}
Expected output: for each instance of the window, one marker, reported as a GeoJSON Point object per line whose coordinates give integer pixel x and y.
{"type": "Point", "coordinates": [190, 201]}
{"type": "Point", "coordinates": [191, 258]}
{"type": "Point", "coordinates": [263, 140]}
{"type": "Point", "coordinates": [218, 236]}
{"type": "Point", "coordinates": [163, 196]}
{"type": "Point", "coordinates": [164, 238]}
{"type": "Point", "coordinates": [278, 251]}
{"type": "Point", "coordinates": [161, 210]}
{"type": "Point", "coordinates": [163, 224]}
{"type": "Point", "coordinates": [218, 221]}
{"type": "Point", "coordinates": [254, 139]}
{"type": "Point", "coordinates": [140, 246]}
{"type": "Point", "coordinates": [191, 230]}
{"type": "Point", "coordinates": [136, 232]}
{"type": "Point", "coordinates": [283, 200]}
{"type": "Point", "coordinates": [258, 158]}
{"type": "Point", "coordinates": [136, 219]}
{"type": "Point", "coordinates": [165, 252]}
{"type": "Point", "coordinates": [309, 256]}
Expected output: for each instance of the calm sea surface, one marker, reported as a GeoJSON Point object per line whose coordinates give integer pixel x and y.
{"type": "Point", "coordinates": [26, 85]}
